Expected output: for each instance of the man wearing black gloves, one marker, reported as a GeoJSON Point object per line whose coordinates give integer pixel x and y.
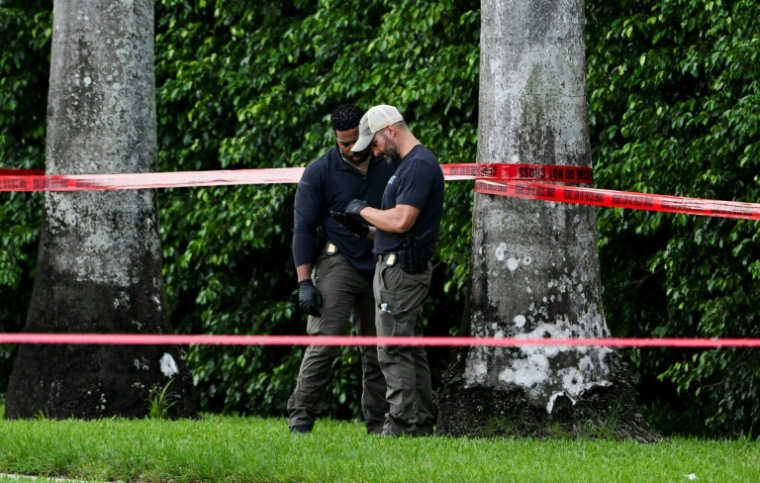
{"type": "Point", "coordinates": [335, 270]}
{"type": "Point", "coordinates": [407, 228]}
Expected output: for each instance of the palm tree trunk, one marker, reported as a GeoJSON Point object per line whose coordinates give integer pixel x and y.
{"type": "Point", "coordinates": [535, 270]}
{"type": "Point", "coordinates": [99, 266]}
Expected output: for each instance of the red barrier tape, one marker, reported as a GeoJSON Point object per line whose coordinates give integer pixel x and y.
{"type": "Point", "coordinates": [21, 172]}
{"type": "Point", "coordinates": [621, 199]}
{"type": "Point", "coordinates": [31, 180]}
{"type": "Point", "coordinates": [526, 172]}
{"type": "Point", "coordinates": [16, 181]}
{"type": "Point", "coordinates": [484, 172]}
{"type": "Point", "coordinates": [90, 182]}
{"type": "Point", "coordinates": [304, 340]}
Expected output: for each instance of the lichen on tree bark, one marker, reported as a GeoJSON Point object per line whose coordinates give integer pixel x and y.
{"type": "Point", "coordinates": [99, 264]}
{"type": "Point", "coordinates": [534, 264]}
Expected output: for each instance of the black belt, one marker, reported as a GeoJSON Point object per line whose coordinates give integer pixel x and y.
{"type": "Point", "coordinates": [412, 263]}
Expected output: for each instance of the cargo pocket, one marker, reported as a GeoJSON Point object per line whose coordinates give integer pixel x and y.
{"type": "Point", "coordinates": [403, 292]}
{"type": "Point", "coordinates": [416, 288]}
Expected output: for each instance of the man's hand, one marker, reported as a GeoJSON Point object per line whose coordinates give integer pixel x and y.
{"type": "Point", "coordinates": [351, 223]}
{"type": "Point", "coordinates": [355, 207]}
{"type": "Point", "coordinates": [309, 297]}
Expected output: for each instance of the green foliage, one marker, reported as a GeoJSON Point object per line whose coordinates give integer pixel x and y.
{"type": "Point", "coordinates": [674, 96]}
{"type": "Point", "coordinates": [251, 85]}
{"type": "Point", "coordinates": [25, 36]}
{"type": "Point", "coordinates": [160, 401]}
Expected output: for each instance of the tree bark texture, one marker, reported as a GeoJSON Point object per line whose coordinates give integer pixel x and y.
{"type": "Point", "coordinates": [99, 266]}
{"type": "Point", "coordinates": [534, 264]}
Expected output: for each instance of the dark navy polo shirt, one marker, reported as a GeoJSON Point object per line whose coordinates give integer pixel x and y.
{"type": "Point", "coordinates": [418, 182]}
{"type": "Point", "coordinates": [329, 184]}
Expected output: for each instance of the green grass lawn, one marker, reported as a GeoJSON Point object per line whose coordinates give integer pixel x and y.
{"type": "Point", "coordinates": [254, 449]}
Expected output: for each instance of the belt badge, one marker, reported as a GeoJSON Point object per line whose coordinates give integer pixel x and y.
{"type": "Point", "coordinates": [391, 260]}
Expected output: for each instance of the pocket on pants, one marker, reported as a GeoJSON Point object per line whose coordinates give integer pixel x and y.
{"type": "Point", "coordinates": [403, 292]}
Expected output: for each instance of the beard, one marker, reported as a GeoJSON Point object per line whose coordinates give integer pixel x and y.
{"type": "Point", "coordinates": [390, 153]}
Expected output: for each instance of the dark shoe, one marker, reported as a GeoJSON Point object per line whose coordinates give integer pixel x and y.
{"type": "Point", "coordinates": [300, 429]}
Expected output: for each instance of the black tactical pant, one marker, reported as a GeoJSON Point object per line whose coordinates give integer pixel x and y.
{"type": "Point", "coordinates": [345, 293]}
{"type": "Point", "coordinates": [399, 296]}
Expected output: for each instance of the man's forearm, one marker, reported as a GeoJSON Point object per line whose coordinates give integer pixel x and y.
{"type": "Point", "coordinates": [399, 219]}
{"type": "Point", "coordinates": [304, 271]}
{"type": "Point", "coordinates": [385, 220]}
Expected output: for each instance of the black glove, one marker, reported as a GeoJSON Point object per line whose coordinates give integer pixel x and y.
{"type": "Point", "coordinates": [309, 297]}
{"type": "Point", "coordinates": [351, 223]}
{"type": "Point", "coordinates": [355, 207]}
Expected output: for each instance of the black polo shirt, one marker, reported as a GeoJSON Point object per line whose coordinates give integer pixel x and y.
{"type": "Point", "coordinates": [418, 182]}
{"type": "Point", "coordinates": [329, 184]}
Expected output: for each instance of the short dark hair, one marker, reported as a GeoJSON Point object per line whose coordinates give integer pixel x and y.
{"type": "Point", "coordinates": [346, 117]}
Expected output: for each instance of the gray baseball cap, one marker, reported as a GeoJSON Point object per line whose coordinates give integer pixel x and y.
{"type": "Point", "coordinates": [374, 120]}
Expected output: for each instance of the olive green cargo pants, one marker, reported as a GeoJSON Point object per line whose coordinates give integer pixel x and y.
{"type": "Point", "coordinates": [344, 293]}
{"type": "Point", "coordinates": [399, 296]}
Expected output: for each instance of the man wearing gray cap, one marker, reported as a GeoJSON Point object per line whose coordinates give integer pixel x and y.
{"type": "Point", "coordinates": [407, 228]}
{"type": "Point", "coordinates": [335, 271]}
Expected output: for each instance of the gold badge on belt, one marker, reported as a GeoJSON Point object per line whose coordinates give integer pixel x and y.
{"type": "Point", "coordinates": [391, 260]}
{"type": "Point", "coordinates": [331, 249]}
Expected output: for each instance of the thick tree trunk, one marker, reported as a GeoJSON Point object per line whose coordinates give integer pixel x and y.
{"type": "Point", "coordinates": [99, 267]}
{"type": "Point", "coordinates": [535, 268]}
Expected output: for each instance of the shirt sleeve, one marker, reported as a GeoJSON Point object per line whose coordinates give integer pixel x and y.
{"type": "Point", "coordinates": [307, 215]}
{"type": "Point", "coordinates": [415, 186]}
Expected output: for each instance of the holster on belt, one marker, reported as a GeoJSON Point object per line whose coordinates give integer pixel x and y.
{"type": "Point", "coordinates": [412, 257]}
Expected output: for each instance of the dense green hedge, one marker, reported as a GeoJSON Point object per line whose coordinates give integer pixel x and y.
{"type": "Point", "coordinates": [25, 29]}
{"type": "Point", "coordinates": [673, 98]}
{"type": "Point", "coordinates": [252, 86]}
{"type": "Point", "coordinates": [675, 95]}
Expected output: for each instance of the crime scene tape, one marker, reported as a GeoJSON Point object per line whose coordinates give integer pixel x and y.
{"type": "Point", "coordinates": [21, 172]}
{"type": "Point", "coordinates": [91, 182]}
{"type": "Point", "coordinates": [305, 340]}
{"type": "Point", "coordinates": [526, 172]}
{"type": "Point", "coordinates": [13, 180]}
{"type": "Point", "coordinates": [620, 199]}
{"type": "Point", "coordinates": [490, 178]}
